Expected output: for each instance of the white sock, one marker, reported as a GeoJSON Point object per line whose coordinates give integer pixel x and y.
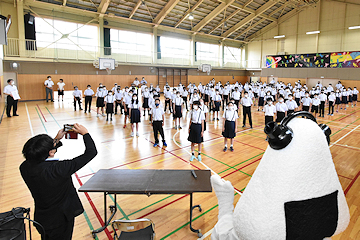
{"type": "Point", "coordinates": [226, 145]}
{"type": "Point", "coordinates": [231, 145]}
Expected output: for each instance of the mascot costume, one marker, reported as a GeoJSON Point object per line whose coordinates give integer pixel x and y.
{"type": "Point", "coordinates": [294, 193]}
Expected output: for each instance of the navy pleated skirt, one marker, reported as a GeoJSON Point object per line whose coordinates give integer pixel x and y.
{"type": "Point", "coordinates": [229, 131]}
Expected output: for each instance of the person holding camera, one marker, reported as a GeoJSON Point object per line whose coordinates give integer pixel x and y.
{"type": "Point", "coordinates": [49, 181]}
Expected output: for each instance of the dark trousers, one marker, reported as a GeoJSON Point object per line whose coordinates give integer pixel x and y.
{"type": "Point", "coordinates": [290, 112]}
{"type": "Point", "coordinates": [157, 127]}
{"type": "Point", "coordinates": [268, 119]}
{"type": "Point", "coordinates": [247, 111]}
{"type": "Point", "coordinates": [305, 108]}
{"type": "Point", "coordinates": [331, 107]}
{"type": "Point", "coordinates": [322, 108]}
{"type": "Point", "coordinates": [77, 99]}
{"type": "Point", "coordinates": [167, 102]}
{"type": "Point", "coordinates": [185, 102]}
{"type": "Point", "coordinates": [63, 232]}
{"type": "Point", "coordinates": [49, 91]}
{"type": "Point", "coordinates": [10, 102]}
{"type": "Point", "coordinates": [237, 104]}
{"type": "Point", "coordinates": [118, 104]}
{"type": "Point", "coordinates": [225, 101]}
{"type": "Point", "coordinates": [88, 100]}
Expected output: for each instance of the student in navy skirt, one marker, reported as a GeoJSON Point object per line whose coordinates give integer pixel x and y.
{"type": "Point", "coordinates": [355, 95]}
{"type": "Point", "coordinates": [350, 96]}
{"type": "Point", "coordinates": [337, 99]}
{"type": "Point", "coordinates": [229, 125]}
{"type": "Point", "coordinates": [217, 103]}
{"type": "Point", "coordinates": [196, 129]}
{"type": "Point", "coordinates": [178, 101]}
{"type": "Point", "coordinates": [109, 102]}
{"type": "Point", "coordinates": [205, 110]}
{"type": "Point", "coordinates": [135, 114]}
{"type": "Point", "coordinates": [100, 94]}
{"type": "Point", "coordinates": [344, 96]}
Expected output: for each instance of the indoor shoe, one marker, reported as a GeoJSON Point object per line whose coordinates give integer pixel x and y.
{"type": "Point", "coordinates": [137, 134]}
{"type": "Point", "coordinates": [156, 144]}
{"type": "Point", "coordinates": [231, 148]}
{"type": "Point", "coordinates": [132, 134]}
{"type": "Point", "coordinates": [192, 158]}
{"type": "Point", "coordinates": [225, 148]}
{"type": "Point", "coordinates": [124, 126]}
{"type": "Point", "coordinates": [164, 144]}
{"type": "Point", "coordinates": [199, 158]}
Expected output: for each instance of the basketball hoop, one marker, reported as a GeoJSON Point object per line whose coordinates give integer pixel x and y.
{"type": "Point", "coordinates": [108, 70]}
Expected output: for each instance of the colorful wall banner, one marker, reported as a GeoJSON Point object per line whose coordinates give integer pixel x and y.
{"type": "Point", "coordinates": [315, 60]}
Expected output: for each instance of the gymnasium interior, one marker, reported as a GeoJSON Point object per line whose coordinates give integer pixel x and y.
{"type": "Point", "coordinates": [170, 42]}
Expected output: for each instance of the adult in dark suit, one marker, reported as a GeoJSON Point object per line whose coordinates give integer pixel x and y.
{"type": "Point", "coordinates": [56, 200]}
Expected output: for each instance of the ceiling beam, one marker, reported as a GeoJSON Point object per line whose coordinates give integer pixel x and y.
{"type": "Point", "coordinates": [197, 4]}
{"type": "Point", "coordinates": [165, 11]}
{"type": "Point", "coordinates": [249, 10]}
{"type": "Point", "coordinates": [135, 9]}
{"type": "Point", "coordinates": [224, 20]}
{"type": "Point", "coordinates": [249, 18]}
{"type": "Point", "coordinates": [249, 28]}
{"type": "Point", "coordinates": [64, 2]}
{"type": "Point", "coordinates": [212, 15]}
{"type": "Point", "coordinates": [345, 2]}
{"type": "Point", "coordinates": [104, 4]}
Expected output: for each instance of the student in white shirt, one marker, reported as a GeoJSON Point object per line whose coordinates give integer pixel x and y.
{"type": "Point", "coordinates": [135, 114]}
{"type": "Point", "coordinates": [344, 95]}
{"type": "Point", "coordinates": [136, 85]}
{"type": "Point", "coordinates": [118, 94]}
{"type": "Point", "coordinates": [350, 96]}
{"type": "Point", "coordinates": [205, 110]}
{"type": "Point", "coordinates": [61, 85]}
{"type": "Point", "coordinates": [246, 102]}
{"type": "Point", "coordinates": [229, 125]}
{"type": "Point", "coordinates": [196, 129]}
{"type": "Point", "coordinates": [236, 95]}
{"type": "Point", "coordinates": [114, 88]}
{"type": "Point", "coordinates": [269, 111]}
{"type": "Point", "coordinates": [109, 102]}
{"type": "Point", "coordinates": [291, 104]}
{"type": "Point", "coordinates": [331, 99]}
{"type": "Point", "coordinates": [261, 99]}
{"type": "Point", "coordinates": [49, 88]}
{"type": "Point", "coordinates": [184, 95]}
{"type": "Point", "coordinates": [10, 101]}
{"type": "Point", "coordinates": [146, 96]}
{"type": "Point", "coordinates": [157, 89]}
{"type": "Point", "coordinates": [337, 99]}
{"type": "Point", "coordinates": [323, 99]}
{"type": "Point", "coordinates": [355, 95]}
{"type": "Point", "coordinates": [315, 104]}
{"type": "Point", "coordinates": [306, 102]}
{"type": "Point", "coordinates": [217, 104]}
{"type": "Point", "coordinates": [167, 95]}
{"type": "Point", "coordinates": [158, 122]}
{"type": "Point", "coordinates": [281, 109]}
{"type": "Point", "coordinates": [100, 94]}
{"type": "Point", "coordinates": [126, 101]}
{"type": "Point", "coordinates": [88, 93]}
{"type": "Point", "coordinates": [178, 101]}
{"type": "Point", "coordinates": [77, 97]}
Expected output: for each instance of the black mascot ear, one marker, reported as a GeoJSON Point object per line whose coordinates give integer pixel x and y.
{"type": "Point", "coordinates": [327, 131]}
{"type": "Point", "coordinates": [278, 136]}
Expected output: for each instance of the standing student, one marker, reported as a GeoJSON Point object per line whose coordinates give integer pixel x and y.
{"type": "Point", "coordinates": [178, 101]}
{"type": "Point", "coordinates": [204, 109]}
{"type": "Point", "coordinates": [246, 102]}
{"type": "Point", "coordinates": [315, 104]}
{"type": "Point", "coordinates": [100, 94]}
{"type": "Point", "coordinates": [355, 95]}
{"type": "Point", "coordinates": [135, 114]}
{"type": "Point", "coordinates": [261, 99]}
{"type": "Point", "coordinates": [109, 103]}
{"type": "Point", "coordinates": [61, 85]}
{"type": "Point", "coordinates": [344, 96]}
{"type": "Point", "coordinates": [9, 90]}
{"type": "Point", "coordinates": [269, 111]}
{"type": "Point", "coordinates": [196, 129]}
{"type": "Point", "coordinates": [306, 102]}
{"type": "Point", "coordinates": [184, 96]}
{"type": "Point", "coordinates": [88, 93]}
{"type": "Point", "coordinates": [331, 99]}
{"type": "Point", "coordinates": [281, 109]}
{"type": "Point", "coordinates": [291, 104]}
{"type": "Point", "coordinates": [126, 101]}
{"type": "Point", "coordinates": [217, 104]}
{"type": "Point", "coordinates": [146, 96]}
{"type": "Point", "coordinates": [115, 88]}
{"type": "Point", "coordinates": [337, 99]}
{"type": "Point", "coordinates": [323, 99]}
{"type": "Point", "coordinates": [229, 125]}
{"type": "Point", "coordinates": [136, 84]}
{"type": "Point", "coordinates": [172, 102]}
{"type": "Point", "coordinates": [350, 96]}
{"type": "Point", "coordinates": [158, 120]}
{"type": "Point", "coordinates": [118, 100]}
{"type": "Point", "coordinates": [77, 97]}
{"type": "Point", "coordinates": [49, 88]}
{"type": "Point", "coordinates": [297, 96]}
{"type": "Point", "coordinates": [167, 95]}
{"type": "Point", "coordinates": [236, 95]}
{"type": "Point", "coordinates": [226, 92]}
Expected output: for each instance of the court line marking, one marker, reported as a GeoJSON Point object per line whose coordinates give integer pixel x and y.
{"type": "Point", "coordinates": [347, 146]}
{"type": "Point", "coordinates": [2, 115]}
{"type": "Point", "coordinates": [41, 113]}
{"type": "Point", "coordinates": [41, 120]}
{"type": "Point", "coordinates": [28, 115]}
{"type": "Point", "coordinates": [344, 136]}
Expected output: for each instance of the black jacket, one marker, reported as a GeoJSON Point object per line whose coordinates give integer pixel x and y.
{"type": "Point", "coordinates": [51, 186]}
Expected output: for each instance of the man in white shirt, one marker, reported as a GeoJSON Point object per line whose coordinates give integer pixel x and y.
{"type": "Point", "coordinates": [137, 83]}
{"type": "Point", "coordinates": [246, 102]}
{"type": "Point", "coordinates": [49, 88]}
{"type": "Point", "coordinates": [9, 90]}
{"type": "Point", "coordinates": [118, 97]}
{"type": "Point", "coordinates": [158, 122]}
{"type": "Point", "coordinates": [61, 85]}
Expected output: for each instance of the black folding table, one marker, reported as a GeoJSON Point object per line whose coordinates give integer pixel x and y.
{"type": "Point", "coordinates": [152, 181]}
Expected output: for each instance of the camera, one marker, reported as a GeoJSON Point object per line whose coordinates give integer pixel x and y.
{"type": "Point", "coordinates": [69, 131]}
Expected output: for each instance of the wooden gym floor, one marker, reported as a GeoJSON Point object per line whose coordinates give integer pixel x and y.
{"type": "Point", "coordinates": [118, 150]}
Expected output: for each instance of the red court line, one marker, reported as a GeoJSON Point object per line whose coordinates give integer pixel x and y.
{"type": "Point", "coordinates": [243, 143]}
{"type": "Point", "coordinates": [344, 177]}
{"type": "Point", "coordinates": [347, 115]}
{"type": "Point", "coordinates": [157, 209]}
{"type": "Point", "coordinates": [241, 168]}
{"type": "Point", "coordinates": [352, 183]}
{"type": "Point", "coordinates": [41, 113]}
{"type": "Point", "coordinates": [94, 209]}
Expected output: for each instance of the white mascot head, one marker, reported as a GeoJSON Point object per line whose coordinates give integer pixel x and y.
{"type": "Point", "coordinates": [294, 193]}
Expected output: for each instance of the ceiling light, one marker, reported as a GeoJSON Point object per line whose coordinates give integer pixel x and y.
{"type": "Point", "coordinates": [313, 32]}
{"type": "Point", "coordinates": [191, 16]}
{"type": "Point", "coordinates": [354, 27]}
{"type": "Point", "coordinates": [280, 36]}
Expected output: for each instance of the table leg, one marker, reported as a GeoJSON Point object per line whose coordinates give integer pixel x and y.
{"type": "Point", "coordinates": [113, 210]}
{"type": "Point", "coordinates": [198, 231]}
